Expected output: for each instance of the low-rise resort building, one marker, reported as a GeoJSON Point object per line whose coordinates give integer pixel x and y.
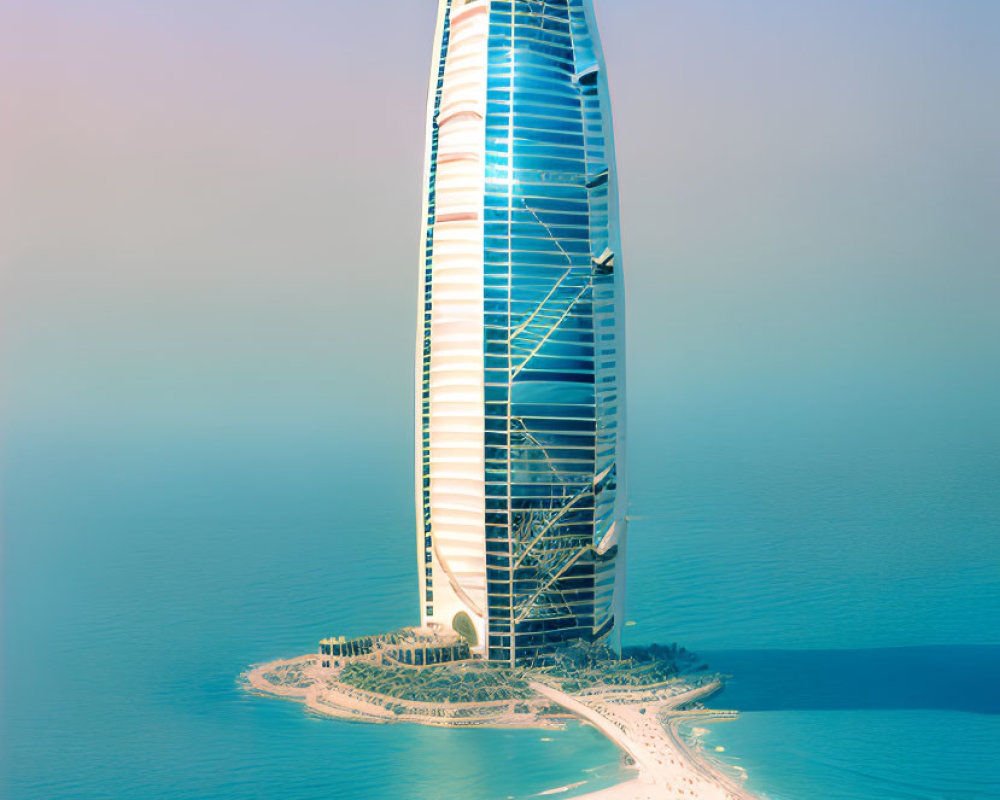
{"type": "Point", "coordinates": [407, 647]}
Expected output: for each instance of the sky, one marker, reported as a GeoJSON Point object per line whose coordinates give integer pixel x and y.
{"type": "Point", "coordinates": [212, 219]}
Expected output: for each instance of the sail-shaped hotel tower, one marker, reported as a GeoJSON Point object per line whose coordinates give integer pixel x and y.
{"type": "Point", "coordinates": [521, 495]}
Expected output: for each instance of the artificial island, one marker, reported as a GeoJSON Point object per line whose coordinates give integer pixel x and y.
{"type": "Point", "coordinates": [521, 492]}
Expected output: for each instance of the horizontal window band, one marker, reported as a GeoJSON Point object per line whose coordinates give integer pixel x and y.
{"type": "Point", "coordinates": [459, 216]}
{"type": "Point", "coordinates": [449, 158]}
{"type": "Point", "coordinates": [458, 115]}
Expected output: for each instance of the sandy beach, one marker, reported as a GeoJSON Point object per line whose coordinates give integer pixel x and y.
{"type": "Point", "coordinates": [332, 699]}
{"type": "Point", "coordinates": [643, 722]}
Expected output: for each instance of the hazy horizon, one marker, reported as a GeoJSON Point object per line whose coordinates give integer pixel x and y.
{"type": "Point", "coordinates": [215, 214]}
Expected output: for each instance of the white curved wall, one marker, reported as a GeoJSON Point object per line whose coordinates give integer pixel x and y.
{"type": "Point", "coordinates": [456, 420]}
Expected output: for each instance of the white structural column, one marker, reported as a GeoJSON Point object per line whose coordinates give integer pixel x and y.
{"type": "Point", "coordinates": [457, 424]}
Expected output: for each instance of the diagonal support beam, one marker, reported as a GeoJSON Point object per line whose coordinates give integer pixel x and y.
{"type": "Point", "coordinates": [548, 230]}
{"type": "Point", "coordinates": [548, 525]}
{"type": "Point", "coordinates": [522, 328]}
{"type": "Point", "coordinates": [552, 329]}
{"type": "Point", "coordinates": [526, 607]}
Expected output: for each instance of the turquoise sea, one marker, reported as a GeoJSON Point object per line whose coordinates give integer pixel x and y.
{"type": "Point", "coordinates": [852, 594]}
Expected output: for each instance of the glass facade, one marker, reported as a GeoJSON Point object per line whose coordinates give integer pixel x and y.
{"type": "Point", "coordinates": [552, 346]}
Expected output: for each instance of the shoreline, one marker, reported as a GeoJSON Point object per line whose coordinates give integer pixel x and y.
{"type": "Point", "coordinates": [338, 701]}
{"type": "Point", "coordinates": [647, 732]}
{"type": "Point", "coordinates": [641, 721]}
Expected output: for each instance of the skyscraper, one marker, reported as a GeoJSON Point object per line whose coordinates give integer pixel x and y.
{"type": "Point", "coordinates": [521, 495]}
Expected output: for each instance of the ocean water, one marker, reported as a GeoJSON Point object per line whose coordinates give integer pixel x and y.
{"type": "Point", "coordinates": [917, 723]}
{"type": "Point", "coordinates": [848, 585]}
{"type": "Point", "coordinates": [854, 603]}
{"type": "Point", "coordinates": [141, 578]}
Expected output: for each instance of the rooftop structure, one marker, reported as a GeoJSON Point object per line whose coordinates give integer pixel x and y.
{"type": "Point", "coordinates": [521, 496]}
